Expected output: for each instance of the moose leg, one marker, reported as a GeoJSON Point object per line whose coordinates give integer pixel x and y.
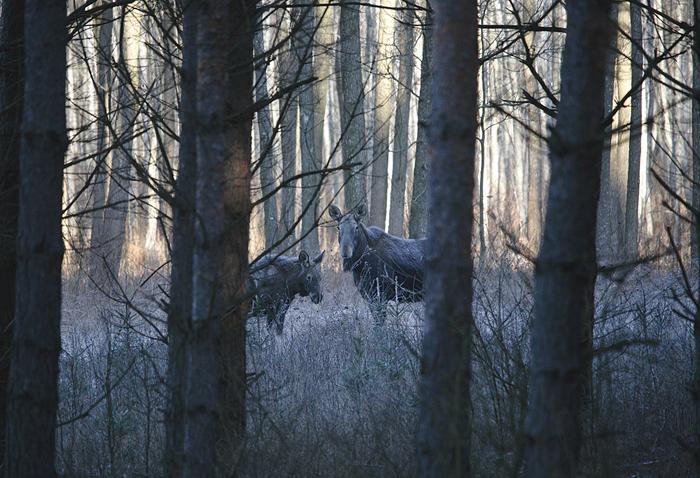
{"type": "Point", "coordinates": [378, 308]}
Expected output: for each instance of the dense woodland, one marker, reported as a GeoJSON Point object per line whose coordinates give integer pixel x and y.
{"type": "Point", "coordinates": [171, 168]}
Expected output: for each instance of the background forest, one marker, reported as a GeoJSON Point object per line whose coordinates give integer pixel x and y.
{"type": "Point", "coordinates": [300, 105]}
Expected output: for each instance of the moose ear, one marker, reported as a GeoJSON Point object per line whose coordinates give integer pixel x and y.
{"type": "Point", "coordinates": [304, 259]}
{"type": "Point", "coordinates": [335, 212]}
{"type": "Point", "coordinates": [319, 258]}
{"type": "Point", "coordinates": [360, 211]}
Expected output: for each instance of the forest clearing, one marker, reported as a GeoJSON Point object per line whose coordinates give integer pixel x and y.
{"type": "Point", "coordinates": [385, 238]}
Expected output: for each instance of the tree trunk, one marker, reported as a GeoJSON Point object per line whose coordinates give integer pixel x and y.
{"type": "Point", "coordinates": [180, 308]}
{"type": "Point", "coordinates": [696, 204]}
{"type": "Point", "coordinates": [418, 216]}
{"type": "Point", "coordinates": [11, 91]}
{"type": "Point", "coordinates": [444, 420]}
{"type": "Point", "coordinates": [382, 119]}
{"type": "Point", "coordinates": [265, 148]}
{"type": "Point", "coordinates": [307, 120]}
{"type": "Point", "coordinates": [635, 138]}
{"type": "Point", "coordinates": [215, 354]}
{"type": "Point", "coordinates": [404, 41]}
{"type": "Point", "coordinates": [566, 266]}
{"type": "Point", "coordinates": [352, 95]}
{"type": "Point", "coordinates": [33, 386]}
{"type": "Point", "coordinates": [289, 110]}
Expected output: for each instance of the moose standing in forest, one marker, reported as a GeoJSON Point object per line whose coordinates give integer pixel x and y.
{"type": "Point", "coordinates": [277, 280]}
{"type": "Point", "coordinates": [384, 267]}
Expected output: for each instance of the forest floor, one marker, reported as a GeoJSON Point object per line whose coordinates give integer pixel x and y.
{"type": "Point", "coordinates": [336, 394]}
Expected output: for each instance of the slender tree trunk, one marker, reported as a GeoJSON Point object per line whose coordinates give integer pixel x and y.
{"type": "Point", "coordinates": [635, 137]}
{"type": "Point", "coordinates": [265, 139]}
{"type": "Point", "coordinates": [352, 96]}
{"type": "Point", "coordinates": [696, 204]}
{"type": "Point", "coordinates": [307, 120]}
{"type": "Point", "coordinates": [215, 355]}
{"type": "Point", "coordinates": [104, 81]}
{"type": "Point", "coordinates": [418, 216]}
{"type": "Point", "coordinates": [33, 386]}
{"type": "Point", "coordinates": [289, 110]}
{"type": "Point", "coordinates": [382, 119]}
{"type": "Point", "coordinates": [180, 310]}
{"type": "Point", "coordinates": [11, 91]}
{"type": "Point", "coordinates": [404, 41]}
{"type": "Point", "coordinates": [566, 266]}
{"type": "Point", "coordinates": [444, 420]}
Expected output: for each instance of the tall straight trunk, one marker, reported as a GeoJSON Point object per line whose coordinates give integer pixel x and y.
{"type": "Point", "coordinates": [695, 145]}
{"type": "Point", "coordinates": [307, 120]}
{"type": "Point", "coordinates": [104, 81]}
{"type": "Point", "coordinates": [418, 216]}
{"type": "Point", "coordinates": [11, 90]}
{"type": "Point", "coordinates": [404, 41]}
{"type": "Point", "coordinates": [352, 96]}
{"type": "Point", "coordinates": [180, 309]}
{"type": "Point", "coordinates": [383, 109]}
{"type": "Point", "coordinates": [635, 137]}
{"type": "Point", "coordinates": [265, 139]}
{"type": "Point", "coordinates": [444, 417]}
{"type": "Point", "coordinates": [33, 386]}
{"type": "Point", "coordinates": [215, 355]}
{"type": "Point", "coordinates": [289, 110]}
{"type": "Point", "coordinates": [566, 266]}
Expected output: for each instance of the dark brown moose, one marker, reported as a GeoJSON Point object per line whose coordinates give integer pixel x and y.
{"type": "Point", "coordinates": [384, 267]}
{"type": "Point", "coordinates": [277, 280]}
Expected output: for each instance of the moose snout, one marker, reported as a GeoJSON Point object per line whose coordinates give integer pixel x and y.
{"type": "Point", "coordinates": [346, 252]}
{"type": "Point", "coordinates": [316, 298]}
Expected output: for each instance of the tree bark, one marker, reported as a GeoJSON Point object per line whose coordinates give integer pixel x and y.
{"type": "Point", "coordinates": [404, 41]}
{"type": "Point", "coordinates": [695, 146]}
{"type": "Point", "coordinates": [310, 158]}
{"type": "Point", "coordinates": [418, 216]}
{"type": "Point", "coordinates": [383, 110]}
{"type": "Point", "coordinates": [352, 96]}
{"type": "Point", "coordinates": [635, 138]}
{"type": "Point", "coordinates": [265, 148]}
{"type": "Point", "coordinates": [180, 307]}
{"type": "Point", "coordinates": [215, 354]}
{"type": "Point", "coordinates": [11, 91]}
{"type": "Point", "coordinates": [444, 417]}
{"type": "Point", "coordinates": [33, 386]}
{"type": "Point", "coordinates": [566, 267]}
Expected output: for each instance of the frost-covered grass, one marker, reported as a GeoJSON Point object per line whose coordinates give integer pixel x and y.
{"type": "Point", "coordinates": [336, 395]}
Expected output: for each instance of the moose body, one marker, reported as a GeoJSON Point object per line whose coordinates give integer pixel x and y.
{"type": "Point", "coordinates": [384, 267]}
{"type": "Point", "coordinates": [275, 282]}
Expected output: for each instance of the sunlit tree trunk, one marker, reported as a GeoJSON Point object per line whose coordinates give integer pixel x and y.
{"type": "Point", "coordinates": [444, 417]}
{"type": "Point", "coordinates": [404, 42]}
{"type": "Point", "coordinates": [383, 110]}
{"type": "Point", "coordinates": [215, 353]}
{"type": "Point", "coordinates": [11, 91]}
{"type": "Point", "coordinates": [180, 309]}
{"type": "Point", "coordinates": [418, 216]}
{"type": "Point", "coordinates": [33, 385]}
{"type": "Point", "coordinates": [352, 104]}
{"type": "Point", "coordinates": [566, 265]}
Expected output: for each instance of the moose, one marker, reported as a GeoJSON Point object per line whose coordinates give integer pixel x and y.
{"type": "Point", "coordinates": [384, 267]}
{"type": "Point", "coordinates": [276, 280]}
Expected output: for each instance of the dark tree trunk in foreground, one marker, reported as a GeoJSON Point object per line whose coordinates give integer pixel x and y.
{"type": "Point", "coordinates": [11, 89]}
{"type": "Point", "coordinates": [695, 146]}
{"type": "Point", "coordinates": [215, 354]}
{"type": "Point", "coordinates": [180, 309]}
{"type": "Point", "coordinates": [444, 423]}
{"type": "Point", "coordinates": [566, 266]}
{"type": "Point", "coordinates": [352, 96]}
{"type": "Point", "coordinates": [33, 387]}
{"type": "Point", "coordinates": [418, 217]}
